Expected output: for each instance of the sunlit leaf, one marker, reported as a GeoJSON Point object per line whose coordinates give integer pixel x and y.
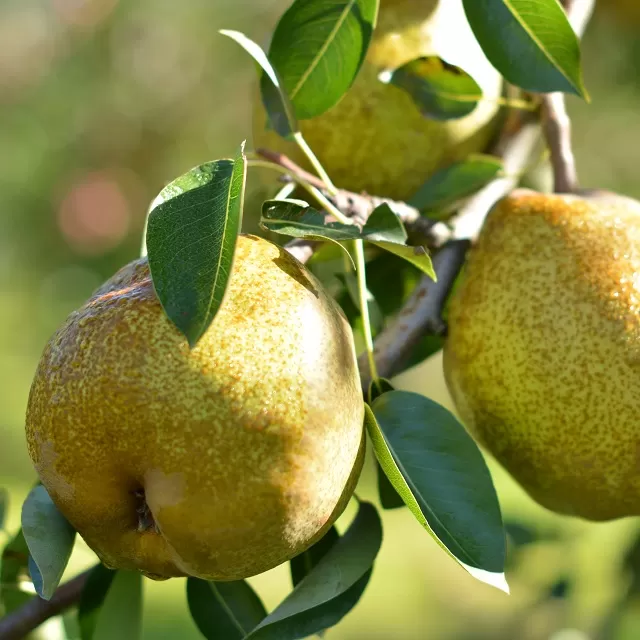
{"type": "Point", "coordinates": [276, 102]}
{"type": "Point", "coordinates": [191, 240]}
{"type": "Point", "coordinates": [530, 42]}
{"type": "Point", "coordinates": [317, 49]}
{"type": "Point", "coordinates": [442, 477]}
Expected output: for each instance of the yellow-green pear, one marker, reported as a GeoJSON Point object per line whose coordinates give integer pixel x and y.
{"type": "Point", "coordinates": [543, 353]}
{"type": "Point", "coordinates": [219, 462]}
{"type": "Point", "coordinates": [375, 139]}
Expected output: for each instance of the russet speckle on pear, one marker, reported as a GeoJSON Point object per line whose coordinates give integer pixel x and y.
{"type": "Point", "coordinates": [219, 462]}
{"type": "Point", "coordinates": [375, 139]}
{"type": "Point", "coordinates": [543, 353]}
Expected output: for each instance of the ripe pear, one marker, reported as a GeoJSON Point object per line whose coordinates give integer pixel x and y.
{"type": "Point", "coordinates": [543, 353]}
{"type": "Point", "coordinates": [375, 139]}
{"type": "Point", "coordinates": [219, 462]}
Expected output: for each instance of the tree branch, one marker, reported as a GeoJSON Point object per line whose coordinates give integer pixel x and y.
{"type": "Point", "coordinates": [18, 624]}
{"type": "Point", "coordinates": [557, 125]}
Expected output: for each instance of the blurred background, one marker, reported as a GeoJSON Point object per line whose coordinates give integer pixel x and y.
{"type": "Point", "coordinates": [102, 102]}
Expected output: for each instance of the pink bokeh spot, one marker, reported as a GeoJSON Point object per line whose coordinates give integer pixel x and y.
{"type": "Point", "coordinates": [95, 214]}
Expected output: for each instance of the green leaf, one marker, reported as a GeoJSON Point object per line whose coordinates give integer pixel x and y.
{"type": "Point", "coordinates": [303, 563]}
{"type": "Point", "coordinates": [384, 226]}
{"type": "Point", "coordinates": [14, 573]}
{"type": "Point", "coordinates": [50, 539]}
{"type": "Point", "coordinates": [228, 610]}
{"type": "Point", "coordinates": [276, 102]}
{"type": "Point", "coordinates": [389, 497]}
{"type": "Point", "coordinates": [378, 387]}
{"type": "Point", "coordinates": [417, 256]}
{"type": "Point", "coordinates": [191, 240]}
{"type": "Point", "coordinates": [441, 475]}
{"type": "Point", "coordinates": [440, 90]}
{"type": "Point", "coordinates": [93, 597]}
{"type": "Point", "coordinates": [120, 615]}
{"type": "Point", "coordinates": [297, 219]}
{"type": "Point", "coordinates": [332, 588]}
{"type": "Point", "coordinates": [530, 42]}
{"type": "Point", "coordinates": [456, 181]}
{"type": "Point", "coordinates": [317, 49]}
{"type": "Point", "coordinates": [4, 505]}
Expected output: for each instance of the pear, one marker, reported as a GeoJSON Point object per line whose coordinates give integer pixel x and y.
{"type": "Point", "coordinates": [543, 353]}
{"type": "Point", "coordinates": [219, 462]}
{"type": "Point", "coordinates": [375, 139]}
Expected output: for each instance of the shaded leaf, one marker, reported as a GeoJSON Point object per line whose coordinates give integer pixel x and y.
{"type": "Point", "coordinates": [530, 42]}
{"type": "Point", "coordinates": [120, 616]}
{"type": "Point", "coordinates": [14, 573]}
{"type": "Point", "coordinates": [442, 477]}
{"type": "Point", "coordinates": [276, 102]}
{"type": "Point", "coordinates": [331, 39]}
{"type": "Point", "coordinates": [303, 563]}
{"type": "Point", "coordinates": [93, 596]}
{"type": "Point", "coordinates": [50, 539]}
{"type": "Point", "coordinates": [389, 497]}
{"type": "Point", "coordinates": [228, 610]}
{"type": "Point", "coordinates": [456, 181]}
{"type": "Point", "coordinates": [4, 505]}
{"type": "Point", "coordinates": [332, 588]}
{"type": "Point", "coordinates": [440, 90]}
{"type": "Point", "coordinates": [191, 240]}
{"type": "Point", "coordinates": [377, 388]}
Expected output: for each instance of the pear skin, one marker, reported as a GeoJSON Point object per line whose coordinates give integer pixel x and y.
{"type": "Point", "coordinates": [219, 462]}
{"type": "Point", "coordinates": [543, 353]}
{"type": "Point", "coordinates": [376, 139]}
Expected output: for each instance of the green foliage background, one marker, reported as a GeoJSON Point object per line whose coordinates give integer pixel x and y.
{"type": "Point", "coordinates": [103, 102]}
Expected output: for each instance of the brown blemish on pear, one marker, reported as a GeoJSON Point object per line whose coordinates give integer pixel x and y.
{"type": "Point", "coordinates": [543, 353]}
{"type": "Point", "coordinates": [219, 462]}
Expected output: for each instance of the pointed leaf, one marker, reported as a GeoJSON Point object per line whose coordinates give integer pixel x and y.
{"type": "Point", "coordinates": [440, 90]}
{"type": "Point", "coordinates": [383, 225]}
{"type": "Point", "coordinates": [332, 588]}
{"type": "Point", "coordinates": [417, 256]}
{"type": "Point", "coordinates": [441, 475]}
{"type": "Point", "coordinates": [530, 42]}
{"type": "Point", "coordinates": [274, 97]}
{"type": "Point", "coordinates": [191, 240]}
{"type": "Point", "coordinates": [228, 610]}
{"type": "Point", "coordinates": [303, 563]}
{"type": "Point", "coordinates": [297, 219]}
{"type": "Point", "coordinates": [317, 49]}
{"type": "Point", "coordinates": [93, 597]}
{"type": "Point", "coordinates": [120, 615]}
{"type": "Point", "coordinates": [50, 539]}
{"type": "Point", "coordinates": [456, 181]}
{"type": "Point", "coordinates": [14, 572]}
